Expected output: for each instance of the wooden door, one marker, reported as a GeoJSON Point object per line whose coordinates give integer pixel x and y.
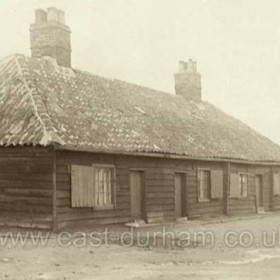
{"type": "Point", "coordinates": [179, 195]}
{"type": "Point", "coordinates": [137, 195]}
{"type": "Point", "coordinates": [259, 192]}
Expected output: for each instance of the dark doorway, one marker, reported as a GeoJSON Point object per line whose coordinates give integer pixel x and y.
{"type": "Point", "coordinates": [179, 195]}
{"type": "Point", "coordinates": [137, 195]}
{"type": "Point", "coordinates": [259, 193]}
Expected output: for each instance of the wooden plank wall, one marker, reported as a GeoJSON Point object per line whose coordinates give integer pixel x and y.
{"type": "Point", "coordinates": [159, 188]}
{"type": "Point", "coordinates": [158, 181]}
{"type": "Point", "coordinates": [198, 209]}
{"type": "Point", "coordinates": [26, 185]}
{"type": "Point", "coordinates": [248, 205]}
{"type": "Point", "coordinates": [68, 216]}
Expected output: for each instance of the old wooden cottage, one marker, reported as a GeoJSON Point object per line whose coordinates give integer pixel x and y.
{"type": "Point", "coordinates": [79, 149]}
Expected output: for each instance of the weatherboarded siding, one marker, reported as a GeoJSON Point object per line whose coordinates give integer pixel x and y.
{"type": "Point", "coordinates": [26, 186]}
{"type": "Point", "coordinates": [159, 181]}
{"type": "Point", "coordinates": [197, 209]}
{"type": "Point", "coordinates": [240, 206]}
{"type": "Point", "coordinates": [68, 216]}
{"type": "Point", "coordinates": [159, 175]}
{"type": "Point", "coordinates": [159, 186]}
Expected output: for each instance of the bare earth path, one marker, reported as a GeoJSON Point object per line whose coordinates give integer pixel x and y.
{"type": "Point", "coordinates": [75, 260]}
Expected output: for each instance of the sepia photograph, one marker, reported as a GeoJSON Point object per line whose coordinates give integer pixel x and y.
{"type": "Point", "coordinates": [139, 139]}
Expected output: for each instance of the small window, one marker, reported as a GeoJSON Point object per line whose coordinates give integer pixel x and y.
{"type": "Point", "coordinates": [93, 186]}
{"type": "Point", "coordinates": [204, 189]}
{"type": "Point", "coordinates": [243, 185]}
{"type": "Point", "coordinates": [103, 186]}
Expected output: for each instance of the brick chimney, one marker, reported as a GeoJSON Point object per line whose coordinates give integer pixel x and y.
{"type": "Point", "coordinates": [188, 80]}
{"type": "Point", "coordinates": [49, 36]}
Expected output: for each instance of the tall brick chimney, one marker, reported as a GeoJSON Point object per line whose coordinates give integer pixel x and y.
{"type": "Point", "coordinates": [49, 36]}
{"type": "Point", "coordinates": [188, 80]}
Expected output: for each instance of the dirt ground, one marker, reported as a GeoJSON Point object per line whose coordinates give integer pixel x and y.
{"type": "Point", "coordinates": [246, 249]}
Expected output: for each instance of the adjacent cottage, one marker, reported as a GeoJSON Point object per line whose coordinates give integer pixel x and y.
{"type": "Point", "coordinates": [78, 149]}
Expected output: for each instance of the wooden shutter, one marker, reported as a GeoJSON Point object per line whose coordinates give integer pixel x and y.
{"type": "Point", "coordinates": [217, 184]}
{"type": "Point", "coordinates": [82, 186]}
{"type": "Point", "coordinates": [276, 184]}
{"type": "Point", "coordinates": [234, 185]}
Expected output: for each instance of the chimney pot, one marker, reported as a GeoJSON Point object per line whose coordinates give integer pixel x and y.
{"type": "Point", "coordinates": [53, 14]}
{"type": "Point", "coordinates": [61, 17]}
{"type": "Point", "coordinates": [192, 66]}
{"type": "Point", "coordinates": [40, 16]}
{"type": "Point", "coordinates": [182, 66]}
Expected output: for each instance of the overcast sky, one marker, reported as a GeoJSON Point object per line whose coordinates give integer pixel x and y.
{"type": "Point", "coordinates": [235, 42]}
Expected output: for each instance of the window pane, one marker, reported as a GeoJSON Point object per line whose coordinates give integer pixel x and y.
{"type": "Point", "coordinates": [103, 186]}
{"type": "Point", "coordinates": [243, 185]}
{"type": "Point", "coordinates": [240, 185]}
{"type": "Point", "coordinates": [204, 184]}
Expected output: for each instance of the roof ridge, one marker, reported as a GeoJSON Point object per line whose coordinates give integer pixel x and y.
{"type": "Point", "coordinates": [92, 74]}
{"type": "Point", "coordinates": [112, 79]}
{"type": "Point", "coordinates": [109, 79]}
{"type": "Point", "coordinates": [49, 131]}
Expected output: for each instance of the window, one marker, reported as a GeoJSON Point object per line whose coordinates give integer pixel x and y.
{"type": "Point", "coordinates": [93, 186]}
{"type": "Point", "coordinates": [204, 189]}
{"type": "Point", "coordinates": [103, 186]}
{"type": "Point", "coordinates": [243, 185]}
{"type": "Point", "coordinates": [210, 184]}
{"type": "Point", "coordinates": [239, 185]}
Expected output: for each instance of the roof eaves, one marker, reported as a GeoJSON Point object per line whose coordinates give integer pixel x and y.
{"type": "Point", "coordinates": [173, 156]}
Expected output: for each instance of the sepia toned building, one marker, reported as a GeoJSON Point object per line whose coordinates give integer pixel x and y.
{"type": "Point", "coordinates": [77, 149]}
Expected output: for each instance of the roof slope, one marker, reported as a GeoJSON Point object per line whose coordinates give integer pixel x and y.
{"type": "Point", "coordinates": [42, 103]}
